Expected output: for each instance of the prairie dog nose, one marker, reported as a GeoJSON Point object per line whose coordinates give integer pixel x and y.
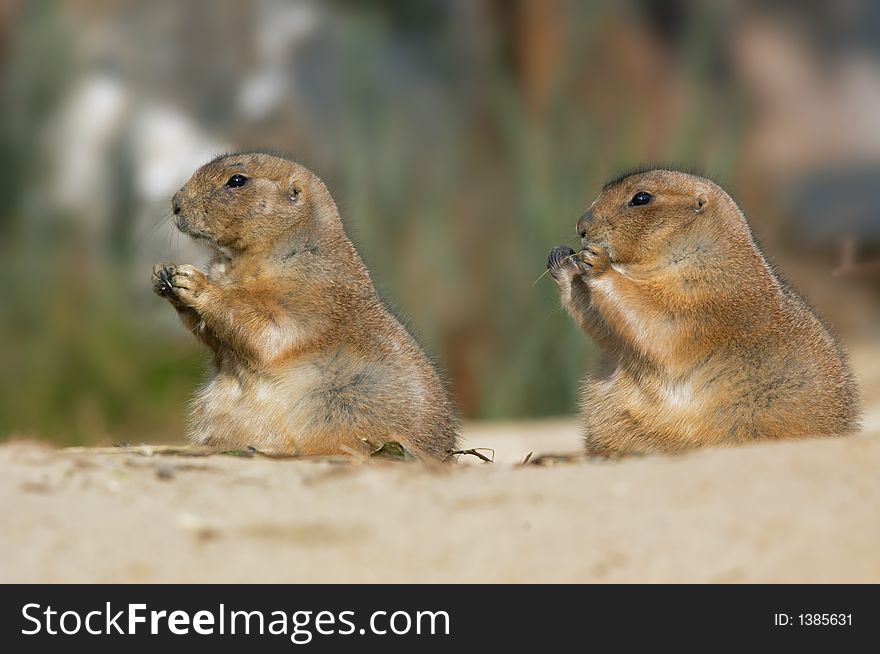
{"type": "Point", "coordinates": [583, 221]}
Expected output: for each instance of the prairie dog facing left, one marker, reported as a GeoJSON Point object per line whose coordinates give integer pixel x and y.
{"type": "Point", "coordinates": [306, 358]}
{"type": "Point", "coordinates": [707, 345]}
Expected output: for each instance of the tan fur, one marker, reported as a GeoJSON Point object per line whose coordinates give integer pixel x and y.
{"type": "Point", "coordinates": [705, 344]}
{"type": "Point", "coordinates": [307, 359]}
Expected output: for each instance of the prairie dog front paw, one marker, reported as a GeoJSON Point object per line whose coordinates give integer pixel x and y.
{"type": "Point", "coordinates": [161, 279]}
{"type": "Point", "coordinates": [562, 263]}
{"type": "Point", "coordinates": [182, 284]}
{"type": "Point", "coordinates": [594, 258]}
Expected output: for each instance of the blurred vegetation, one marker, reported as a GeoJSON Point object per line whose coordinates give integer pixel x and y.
{"type": "Point", "coordinates": [461, 140]}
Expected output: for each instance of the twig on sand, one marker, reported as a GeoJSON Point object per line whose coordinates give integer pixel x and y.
{"type": "Point", "coordinates": [554, 459]}
{"type": "Point", "coordinates": [474, 451]}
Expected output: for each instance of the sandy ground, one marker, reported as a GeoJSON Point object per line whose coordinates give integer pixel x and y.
{"type": "Point", "coordinates": [797, 512]}
{"type": "Point", "coordinates": [781, 512]}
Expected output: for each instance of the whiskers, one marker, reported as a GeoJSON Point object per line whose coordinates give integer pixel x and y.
{"type": "Point", "coordinates": [164, 221]}
{"type": "Point", "coordinates": [170, 235]}
{"type": "Point", "coordinates": [161, 222]}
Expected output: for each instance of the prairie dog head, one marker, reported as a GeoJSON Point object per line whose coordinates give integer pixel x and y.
{"type": "Point", "coordinates": [251, 201]}
{"type": "Point", "coordinates": [647, 215]}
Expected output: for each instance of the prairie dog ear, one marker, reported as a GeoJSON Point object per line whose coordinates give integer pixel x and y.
{"type": "Point", "coordinates": [701, 201]}
{"type": "Point", "coordinates": [294, 190]}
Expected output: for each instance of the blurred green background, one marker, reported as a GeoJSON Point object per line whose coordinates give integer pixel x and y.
{"type": "Point", "coordinates": [461, 141]}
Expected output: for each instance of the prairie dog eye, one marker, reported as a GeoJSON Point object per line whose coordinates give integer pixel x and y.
{"type": "Point", "coordinates": [236, 181]}
{"type": "Point", "coordinates": [640, 198]}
